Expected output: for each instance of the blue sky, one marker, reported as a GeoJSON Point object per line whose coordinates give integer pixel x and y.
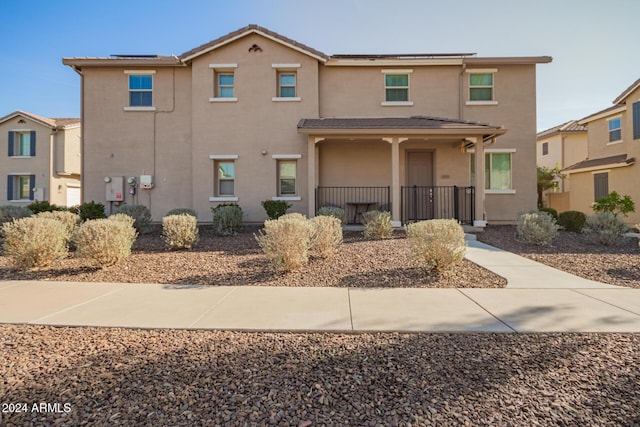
{"type": "Point", "coordinates": [593, 43]}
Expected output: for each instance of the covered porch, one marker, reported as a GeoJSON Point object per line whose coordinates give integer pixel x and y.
{"type": "Point", "coordinates": [415, 167]}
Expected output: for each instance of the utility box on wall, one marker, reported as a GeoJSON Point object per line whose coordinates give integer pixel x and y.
{"type": "Point", "coordinates": [146, 182]}
{"type": "Point", "coordinates": [115, 188]}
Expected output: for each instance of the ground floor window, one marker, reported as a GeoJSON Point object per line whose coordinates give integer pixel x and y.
{"type": "Point", "coordinates": [600, 185]}
{"type": "Point", "coordinates": [225, 178]}
{"type": "Point", "coordinates": [497, 171]}
{"type": "Point", "coordinates": [287, 177]}
{"type": "Point", "coordinates": [20, 187]}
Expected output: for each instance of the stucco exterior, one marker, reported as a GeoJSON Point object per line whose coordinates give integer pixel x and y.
{"type": "Point", "coordinates": [190, 129]}
{"type": "Point", "coordinates": [52, 164]}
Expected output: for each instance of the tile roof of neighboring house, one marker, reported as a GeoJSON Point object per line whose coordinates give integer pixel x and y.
{"type": "Point", "coordinates": [408, 125]}
{"type": "Point", "coordinates": [52, 123]}
{"type": "Point", "coordinates": [591, 164]}
{"type": "Point", "coordinates": [572, 126]}
{"type": "Point", "coordinates": [250, 29]}
{"type": "Point", "coordinates": [626, 92]}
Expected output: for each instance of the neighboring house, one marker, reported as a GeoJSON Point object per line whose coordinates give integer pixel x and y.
{"type": "Point", "coordinates": [561, 146]}
{"type": "Point", "coordinates": [254, 115]}
{"type": "Point", "coordinates": [613, 147]}
{"type": "Point", "coordinates": [41, 160]}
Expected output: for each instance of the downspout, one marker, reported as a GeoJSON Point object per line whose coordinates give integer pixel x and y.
{"type": "Point", "coordinates": [460, 89]}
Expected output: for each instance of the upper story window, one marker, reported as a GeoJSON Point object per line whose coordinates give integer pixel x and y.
{"type": "Point", "coordinates": [287, 82]}
{"type": "Point", "coordinates": [140, 89]}
{"type": "Point", "coordinates": [481, 86]}
{"type": "Point", "coordinates": [224, 82]}
{"type": "Point", "coordinates": [615, 129]}
{"type": "Point", "coordinates": [545, 148]}
{"type": "Point", "coordinates": [396, 87]}
{"type": "Point", "coordinates": [22, 143]}
{"type": "Point", "coordinates": [636, 120]}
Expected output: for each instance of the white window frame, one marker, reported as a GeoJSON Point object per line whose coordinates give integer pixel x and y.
{"type": "Point", "coordinates": [140, 73]}
{"type": "Point", "coordinates": [408, 102]}
{"type": "Point", "coordinates": [217, 158]}
{"type": "Point", "coordinates": [218, 70]}
{"type": "Point", "coordinates": [286, 69]}
{"type": "Point", "coordinates": [491, 71]}
{"type": "Point", "coordinates": [609, 130]}
{"type": "Point", "coordinates": [490, 151]}
{"type": "Point", "coordinates": [286, 158]}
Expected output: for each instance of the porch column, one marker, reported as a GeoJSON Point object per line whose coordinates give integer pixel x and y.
{"type": "Point", "coordinates": [479, 220]}
{"type": "Point", "coordinates": [312, 173]}
{"type": "Point", "coordinates": [395, 179]}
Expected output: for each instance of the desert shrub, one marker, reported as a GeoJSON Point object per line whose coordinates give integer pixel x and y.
{"type": "Point", "coordinates": [91, 210]}
{"type": "Point", "coordinates": [34, 241]}
{"type": "Point", "coordinates": [572, 221]}
{"type": "Point", "coordinates": [180, 211]}
{"type": "Point", "coordinates": [105, 241]}
{"type": "Point", "coordinates": [437, 244]}
{"type": "Point", "coordinates": [550, 211]}
{"type": "Point", "coordinates": [614, 204]}
{"type": "Point", "coordinates": [140, 214]}
{"type": "Point", "coordinates": [326, 236]}
{"type": "Point", "coordinates": [605, 228]}
{"type": "Point", "coordinates": [9, 212]}
{"type": "Point", "coordinates": [43, 206]}
{"type": "Point", "coordinates": [69, 220]}
{"type": "Point", "coordinates": [537, 228]}
{"type": "Point", "coordinates": [227, 218]}
{"type": "Point", "coordinates": [285, 242]}
{"type": "Point", "coordinates": [377, 225]}
{"type": "Point", "coordinates": [335, 212]}
{"type": "Point", "coordinates": [122, 217]}
{"type": "Point", "coordinates": [275, 208]}
{"type": "Point", "coordinates": [180, 231]}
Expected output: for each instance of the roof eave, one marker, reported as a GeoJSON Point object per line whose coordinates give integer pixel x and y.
{"type": "Point", "coordinates": [629, 162]}
{"type": "Point", "coordinates": [602, 114]}
{"type": "Point", "coordinates": [485, 133]}
{"type": "Point", "coordinates": [508, 60]}
{"type": "Point", "coordinates": [78, 63]}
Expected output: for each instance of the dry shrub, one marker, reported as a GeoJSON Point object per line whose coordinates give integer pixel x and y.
{"type": "Point", "coordinates": [180, 231]}
{"type": "Point", "coordinates": [326, 236]}
{"type": "Point", "coordinates": [606, 228]}
{"type": "Point", "coordinates": [69, 220]}
{"type": "Point", "coordinates": [285, 241]}
{"type": "Point", "coordinates": [377, 225]}
{"type": "Point", "coordinates": [538, 228]}
{"type": "Point", "coordinates": [124, 218]}
{"type": "Point", "coordinates": [105, 241]}
{"type": "Point", "coordinates": [335, 212]}
{"type": "Point", "coordinates": [34, 242]}
{"type": "Point", "coordinates": [437, 244]}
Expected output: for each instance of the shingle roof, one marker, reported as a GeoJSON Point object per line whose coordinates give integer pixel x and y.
{"type": "Point", "coordinates": [52, 123]}
{"type": "Point", "coordinates": [572, 126]}
{"type": "Point", "coordinates": [249, 29]}
{"type": "Point", "coordinates": [619, 160]}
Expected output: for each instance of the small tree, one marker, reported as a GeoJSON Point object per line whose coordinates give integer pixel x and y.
{"type": "Point", "coordinates": [546, 180]}
{"type": "Point", "coordinates": [615, 204]}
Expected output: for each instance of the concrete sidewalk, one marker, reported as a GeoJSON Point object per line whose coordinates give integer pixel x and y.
{"type": "Point", "coordinates": [537, 299]}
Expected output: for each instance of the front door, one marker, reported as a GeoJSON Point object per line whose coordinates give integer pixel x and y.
{"type": "Point", "coordinates": [418, 193]}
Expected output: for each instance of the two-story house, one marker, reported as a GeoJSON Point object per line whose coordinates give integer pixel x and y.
{"type": "Point", "coordinates": [41, 161]}
{"type": "Point", "coordinates": [613, 147]}
{"type": "Point", "coordinates": [561, 146]}
{"type": "Point", "coordinates": [254, 115]}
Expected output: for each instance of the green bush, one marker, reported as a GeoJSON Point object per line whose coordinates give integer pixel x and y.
{"type": "Point", "coordinates": [34, 242]}
{"type": "Point", "coordinates": [140, 214]}
{"type": "Point", "coordinates": [180, 231]}
{"type": "Point", "coordinates": [335, 212]}
{"type": "Point", "coordinates": [614, 204]}
{"type": "Point", "coordinates": [377, 225]}
{"type": "Point", "coordinates": [180, 211]}
{"type": "Point", "coordinates": [538, 228]}
{"type": "Point", "coordinates": [43, 206]}
{"type": "Point", "coordinates": [227, 218]}
{"type": "Point", "coordinates": [275, 208]}
{"type": "Point", "coordinates": [606, 228]}
{"type": "Point", "coordinates": [91, 210]}
{"type": "Point", "coordinates": [105, 241]}
{"type": "Point", "coordinates": [9, 212]}
{"type": "Point", "coordinates": [326, 236]}
{"type": "Point", "coordinates": [69, 220]}
{"type": "Point", "coordinates": [285, 241]}
{"type": "Point", "coordinates": [436, 244]}
{"type": "Point", "coordinates": [550, 211]}
{"type": "Point", "coordinates": [572, 221]}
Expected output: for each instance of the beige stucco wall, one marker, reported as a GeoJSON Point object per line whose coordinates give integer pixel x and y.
{"type": "Point", "coordinates": [598, 134]}
{"type": "Point", "coordinates": [67, 151]}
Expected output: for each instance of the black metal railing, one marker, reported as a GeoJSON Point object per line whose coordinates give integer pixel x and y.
{"type": "Point", "coordinates": [422, 203]}
{"type": "Point", "coordinates": [354, 200]}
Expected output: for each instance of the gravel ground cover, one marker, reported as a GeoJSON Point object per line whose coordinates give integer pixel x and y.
{"type": "Point", "coordinates": [238, 260]}
{"type": "Point", "coordinates": [574, 253]}
{"type": "Point", "coordinates": [179, 377]}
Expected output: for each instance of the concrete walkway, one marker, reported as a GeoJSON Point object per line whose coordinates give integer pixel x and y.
{"type": "Point", "coordinates": [537, 299]}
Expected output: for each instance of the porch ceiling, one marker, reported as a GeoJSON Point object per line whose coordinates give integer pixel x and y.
{"type": "Point", "coordinates": [398, 126]}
